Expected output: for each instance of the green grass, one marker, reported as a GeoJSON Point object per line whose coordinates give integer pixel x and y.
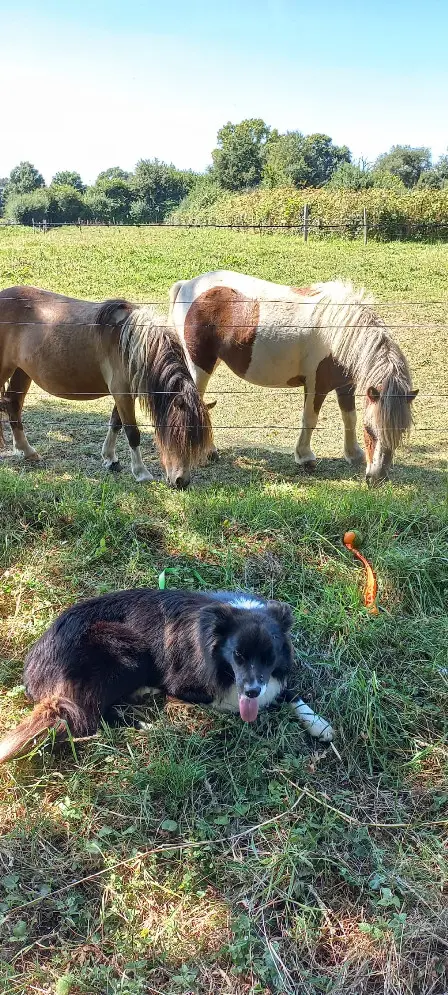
{"type": "Point", "coordinates": [203, 855]}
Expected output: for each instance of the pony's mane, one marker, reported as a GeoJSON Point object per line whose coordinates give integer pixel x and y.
{"type": "Point", "coordinates": [360, 341]}
{"type": "Point", "coordinates": [113, 312]}
{"type": "Point", "coordinates": [159, 377]}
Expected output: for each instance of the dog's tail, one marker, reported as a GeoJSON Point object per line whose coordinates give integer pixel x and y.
{"type": "Point", "coordinates": [55, 712]}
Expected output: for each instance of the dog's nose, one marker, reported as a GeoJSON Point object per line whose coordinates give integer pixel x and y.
{"type": "Point", "coordinates": [252, 691]}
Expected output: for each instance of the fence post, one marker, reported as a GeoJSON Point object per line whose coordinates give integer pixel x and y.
{"type": "Point", "coordinates": [306, 211]}
{"type": "Point", "coordinates": [364, 225]}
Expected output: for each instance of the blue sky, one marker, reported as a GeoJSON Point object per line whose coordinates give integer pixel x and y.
{"type": "Point", "coordinates": [101, 83]}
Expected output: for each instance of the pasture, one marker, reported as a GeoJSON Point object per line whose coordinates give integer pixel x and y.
{"type": "Point", "coordinates": [203, 855]}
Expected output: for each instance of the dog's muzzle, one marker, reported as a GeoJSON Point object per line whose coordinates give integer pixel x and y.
{"type": "Point", "coordinates": [252, 690]}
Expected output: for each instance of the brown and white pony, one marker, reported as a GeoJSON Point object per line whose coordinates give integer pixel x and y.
{"type": "Point", "coordinates": [323, 337]}
{"type": "Point", "coordinates": [81, 351]}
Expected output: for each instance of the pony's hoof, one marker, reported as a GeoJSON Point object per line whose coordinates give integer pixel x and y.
{"type": "Point", "coordinates": [213, 456]}
{"type": "Point", "coordinates": [142, 476]}
{"type": "Point", "coordinates": [355, 459]}
{"type": "Point", "coordinates": [115, 467]}
{"type": "Point", "coordinates": [31, 457]}
{"type": "Point", "coordinates": [309, 466]}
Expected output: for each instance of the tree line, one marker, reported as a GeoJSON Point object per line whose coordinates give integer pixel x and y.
{"type": "Point", "coordinates": [248, 155]}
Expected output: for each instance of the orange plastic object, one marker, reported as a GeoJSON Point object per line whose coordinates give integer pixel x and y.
{"type": "Point", "coordinates": [371, 588]}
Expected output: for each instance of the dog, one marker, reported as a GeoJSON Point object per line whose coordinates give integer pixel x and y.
{"type": "Point", "coordinates": [225, 649]}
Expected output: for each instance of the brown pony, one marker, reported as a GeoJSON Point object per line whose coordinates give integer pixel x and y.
{"type": "Point", "coordinates": [324, 337]}
{"type": "Point", "coordinates": [81, 351]}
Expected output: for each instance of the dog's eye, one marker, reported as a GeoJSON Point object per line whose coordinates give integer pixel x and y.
{"type": "Point", "coordinates": [238, 656]}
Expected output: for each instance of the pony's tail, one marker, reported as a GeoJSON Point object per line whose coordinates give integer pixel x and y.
{"type": "Point", "coordinates": [174, 290]}
{"type": "Point", "coordinates": [52, 713]}
{"type": "Point", "coordinates": [162, 382]}
{"type": "Point", "coordinates": [394, 413]}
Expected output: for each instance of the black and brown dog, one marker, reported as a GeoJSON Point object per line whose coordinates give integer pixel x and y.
{"type": "Point", "coordinates": [225, 649]}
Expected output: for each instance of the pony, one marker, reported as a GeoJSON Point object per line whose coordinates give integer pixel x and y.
{"type": "Point", "coordinates": [323, 337]}
{"type": "Point", "coordinates": [81, 350]}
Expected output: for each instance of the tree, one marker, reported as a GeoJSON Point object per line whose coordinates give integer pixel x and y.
{"type": "Point", "coordinates": [430, 180]}
{"type": "Point", "coordinates": [23, 208]}
{"type": "Point", "coordinates": [302, 161]}
{"type": "Point", "coordinates": [113, 173]}
{"type": "Point", "coordinates": [285, 165]}
{"type": "Point", "coordinates": [68, 179]}
{"type": "Point", "coordinates": [383, 180]}
{"type": "Point", "coordinates": [24, 178]}
{"type": "Point", "coordinates": [350, 176]}
{"type": "Point", "coordinates": [437, 177]}
{"type": "Point", "coordinates": [239, 157]}
{"type": "Point", "coordinates": [66, 204]}
{"type": "Point", "coordinates": [159, 186]}
{"type": "Point", "coordinates": [441, 167]}
{"type": "Point", "coordinates": [3, 191]}
{"type": "Point", "coordinates": [204, 192]}
{"type": "Point", "coordinates": [323, 158]}
{"type": "Point", "coordinates": [404, 162]}
{"type": "Point", "coordinates": [109, 200]}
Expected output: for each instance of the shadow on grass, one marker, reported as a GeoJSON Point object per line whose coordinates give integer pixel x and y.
{"type": "Point", "coordinates": [69, 440]}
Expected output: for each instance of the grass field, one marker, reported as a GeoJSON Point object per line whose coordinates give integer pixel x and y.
{"type": "Point", "coordinates": [204, 856]}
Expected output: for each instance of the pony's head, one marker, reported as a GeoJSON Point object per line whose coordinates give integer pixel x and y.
{"type": "Point", "coordinates": [162, 382]}
{"type": "Point", "coordinates": [387, 419]}
{"type": "Point", "coordinates": [183, 429]}
{"type": "Point", "coordinates": [361, 343]}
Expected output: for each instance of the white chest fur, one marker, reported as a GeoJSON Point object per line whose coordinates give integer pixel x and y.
{"type": "Point", "coordinates": [228, 701]}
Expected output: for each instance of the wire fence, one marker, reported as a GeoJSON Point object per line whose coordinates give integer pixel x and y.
{"type": "Point", "coordinates": [392, 229]}
{"type": "Point", "coordinates": [250, 391]}
{"type": "Point", "coordinates": [89, 395]}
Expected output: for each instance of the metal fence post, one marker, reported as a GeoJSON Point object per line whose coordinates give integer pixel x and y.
{"type": "Point", "coordinates": [306, 211]}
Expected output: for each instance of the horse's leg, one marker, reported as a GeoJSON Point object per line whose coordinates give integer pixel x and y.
{"type": "Point", "coordinates": [126, 412]}
{"type": "Point", "coordinates": [304, 455]}
{"type": "Point", "coordinates": [3, 417]}
{"type": "Point", "coordinates": [346, 400]}
{"type": "Point", "coordinates": [108, 450]}
{"type": "Point", "coordinates": [18, 388]}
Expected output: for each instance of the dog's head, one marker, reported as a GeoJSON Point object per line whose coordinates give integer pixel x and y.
{"type": "Point", "coordinates": [254, 644]}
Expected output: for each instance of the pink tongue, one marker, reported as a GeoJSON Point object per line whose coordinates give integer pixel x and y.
{"type": "Point", "coordinates": [248, 708]}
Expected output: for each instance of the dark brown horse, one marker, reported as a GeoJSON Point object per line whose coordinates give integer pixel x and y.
{"type": "Point", "coordinates": [81, 351]}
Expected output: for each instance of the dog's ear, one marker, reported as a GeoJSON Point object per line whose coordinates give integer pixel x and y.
{"type": "Point", "coordinates": [218, 619]}
{"type": "Point", "coordinates": [282, 613]}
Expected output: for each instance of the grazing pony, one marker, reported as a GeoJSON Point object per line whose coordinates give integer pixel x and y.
{"type": "Point", "coordinates": [81, 350]}
{"type": "Point", "coordinates": [324, 337]}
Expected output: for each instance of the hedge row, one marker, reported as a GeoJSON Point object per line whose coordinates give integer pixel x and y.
{"type": "Point", "coordinates": [415, 214]}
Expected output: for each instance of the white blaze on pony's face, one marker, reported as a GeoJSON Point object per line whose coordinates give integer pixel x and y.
{"type": "Point", "coordinates": [378, 458]}
{"type": "Point", "coordinates": [380, 439]}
